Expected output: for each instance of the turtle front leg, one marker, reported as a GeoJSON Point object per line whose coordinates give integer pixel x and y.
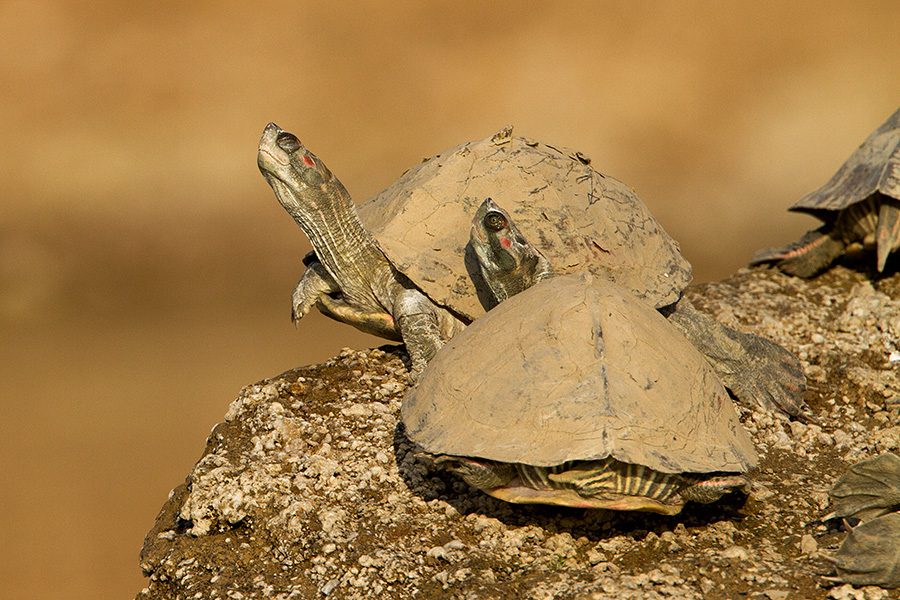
{"type": "Point", "coordinates": [378, 323]}
{"type": "Point", "coordinates": [314, 284]}
{"type": "Point", "coordinates": [707, 490]}
{"type": "Point", "coordinates": [317, 288]}
{"type": "Point", "coordinates": [758, 372]}
{"type": "Point", "coordinates": [417, 319]}
{"type": "Point", "coordinates": [482, 474]}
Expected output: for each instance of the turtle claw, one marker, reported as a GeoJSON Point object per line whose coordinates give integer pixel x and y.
{"type": "Point", "coordinates": [300, 310]}
{"type": "Point", "coordinates": [314, 283]}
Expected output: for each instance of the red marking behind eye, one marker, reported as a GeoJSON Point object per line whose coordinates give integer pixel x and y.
{"type": "Point", "coordinates": [307, 160]}
{"type": "Point", "coordinates": [505, 242]}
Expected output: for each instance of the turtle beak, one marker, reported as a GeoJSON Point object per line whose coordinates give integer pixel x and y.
{"type": "Point", "coordinates": [487, 205]}
{"type": "Point", "coordinates": [272, 155]}
{"type": "Point", "coordinates": [280, 150]}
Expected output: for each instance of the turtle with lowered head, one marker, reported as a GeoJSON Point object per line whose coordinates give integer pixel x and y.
{"type": "Point", "coordinates": [574, 392]}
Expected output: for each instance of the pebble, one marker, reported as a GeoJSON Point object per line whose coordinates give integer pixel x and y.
{"type": "Point", "coordinates": [808, 544]}
{"type": "Point", "coordinates": [330, 586]}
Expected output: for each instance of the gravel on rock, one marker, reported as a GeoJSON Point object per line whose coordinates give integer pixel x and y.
{"type": "Point", "coordinates": [309, 487]}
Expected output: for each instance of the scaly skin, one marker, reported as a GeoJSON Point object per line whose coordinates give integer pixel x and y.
{"type": "Point", "coordinates": [349, 279]}
{"type": "Point", "coordinates": [509, 264]}
{"type": "Point", "coordinates": [757, 371]}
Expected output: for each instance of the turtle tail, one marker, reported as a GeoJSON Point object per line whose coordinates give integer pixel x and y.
{"type": "Point", "coordinates": [807, 257]}
{"type": "Point", "coordinates": [887, 235]}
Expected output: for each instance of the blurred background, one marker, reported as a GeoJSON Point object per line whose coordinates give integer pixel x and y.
{"type": "Point", "coordinates": [146, 267]}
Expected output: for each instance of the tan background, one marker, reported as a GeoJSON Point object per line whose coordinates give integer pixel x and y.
{"type": "Point", "coordinates": [146, 268]}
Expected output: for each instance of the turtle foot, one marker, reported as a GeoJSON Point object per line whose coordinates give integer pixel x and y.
{"type": "Point", "coordinates": [868, 489]}
{"type": "Point", "coordinates": [871, 553]}
{"type": "Point", "coordinates": [314, 283]}
{"type": "Point", "coordinates": [759, 372]}
{"type": "Point", "coordinates": [767, 375]}
{"type": "Point", "coordinates": [807, 257]}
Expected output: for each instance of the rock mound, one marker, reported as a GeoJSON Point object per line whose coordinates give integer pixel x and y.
{"type": "Point", "coordinates": [309, 487]}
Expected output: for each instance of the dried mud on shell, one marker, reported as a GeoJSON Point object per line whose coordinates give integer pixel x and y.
{"type": "Point", "coordinates": [310, 489]}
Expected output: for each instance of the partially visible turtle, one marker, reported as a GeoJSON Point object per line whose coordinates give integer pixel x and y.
{"type": "Point", "coordinates": [574, 392]}
{"type": "Point", "coordinates": [869, 492]}
{"type": "Point", "coordinates": [860, 204]}
{"type": "Point", "coordinates": [400, 267]}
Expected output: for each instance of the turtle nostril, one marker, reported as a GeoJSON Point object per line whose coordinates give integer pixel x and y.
{"type": "Point", "coordinates": [288, 142]}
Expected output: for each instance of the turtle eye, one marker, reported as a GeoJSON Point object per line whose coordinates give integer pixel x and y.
{"type": "Point", "coordinates": [288, 142]}
{"type": "Point", "coordinates": [495, 221]}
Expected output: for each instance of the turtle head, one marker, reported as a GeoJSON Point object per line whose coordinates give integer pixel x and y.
{"type": "Point", "coordinates": [508, 262]}
{"type": "Point", "coordinates": [291, 169]}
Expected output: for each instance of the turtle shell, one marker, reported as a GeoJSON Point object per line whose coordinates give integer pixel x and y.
{"type": "Point", "coordinates": [873, 167]}
{"type": "Point", "coordinates": [576, 368]}
{"type": "Point", "coordinates": [580, 218]}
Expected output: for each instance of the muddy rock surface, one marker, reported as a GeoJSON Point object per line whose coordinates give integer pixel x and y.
{"type": "Point", "coordinates": [309, 487]}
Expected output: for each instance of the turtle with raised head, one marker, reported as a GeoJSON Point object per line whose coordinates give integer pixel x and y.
{"type": "Point", "coordinates": [860, 205]}
{"type": "Point", "coordinates": [400, 268]}
{"type": "Point", "coordinates": [574, 392]}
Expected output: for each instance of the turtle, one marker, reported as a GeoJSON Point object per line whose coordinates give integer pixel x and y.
{"type": "Point", "coordinates": [400, 266]}
{"type": "Point", "coordinates": [574, 392]}
{"type": "Point", "coordinates": [860, 204]}
{"type": "Point", "coordinates": [869, 492]}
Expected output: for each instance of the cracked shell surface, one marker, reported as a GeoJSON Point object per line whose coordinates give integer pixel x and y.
{"type": "Point", "coordinates": [576, 368]}
{"type": "Point", "coordinates": [580, 218]}
{"type": "Point", "coordinates": [873, 167]}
